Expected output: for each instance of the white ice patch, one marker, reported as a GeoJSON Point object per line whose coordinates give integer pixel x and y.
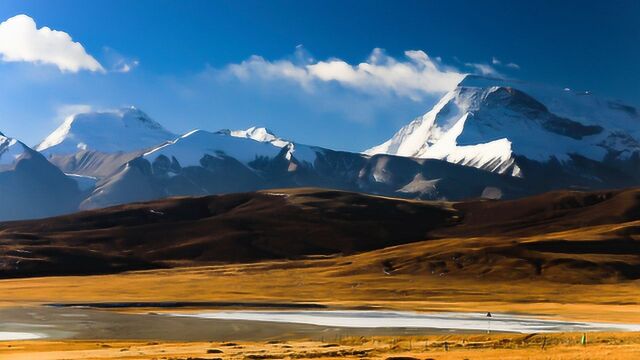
{"type": "Point", "coordinates": [10, 335]}
{"type": "Point", "coordinates": [397, 319]}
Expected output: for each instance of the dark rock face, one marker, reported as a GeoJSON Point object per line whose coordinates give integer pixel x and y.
{"type": "Point", "coordinates": [92, 163]}
{"type": "Point", "coordinates": [140, 180]}
{"type": "Point", "coordinates": [534, 111]}
{"type": "Point", "coordinates": [34, 188]}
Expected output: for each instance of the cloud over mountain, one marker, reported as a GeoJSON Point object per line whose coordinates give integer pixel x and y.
{"type": "Point", "coordinates": [414, 76]}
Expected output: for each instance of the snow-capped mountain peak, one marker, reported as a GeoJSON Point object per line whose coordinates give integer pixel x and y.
{"type": "Point", "coordinates": [11, 150]}
{"type": "Point", "coordinates": [121, 130]}
{"type": "Point", "coordinates": [190, 148]}
{"type": "Point", "coordinates": [260, 134]}
{"type": "Point", "coordinates": [301, 152]}
{"type": "Point", "coordinates": [256, 133]}
{"type": "Point", "coordinates": [487, 123]}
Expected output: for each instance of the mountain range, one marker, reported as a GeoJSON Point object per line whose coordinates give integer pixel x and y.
{"type": "Point", "coordinates": [489, 138]}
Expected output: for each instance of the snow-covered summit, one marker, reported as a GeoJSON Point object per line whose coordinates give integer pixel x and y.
{"type": "Point", "coordinates": [487, 122]}
{"type": "Point", "coordinates": [245, 146]}
{"type": "Point", "coordinates": [122, 130]}
{"type": "Point", "coordinates": [10, 150]}
{"type": "Point", "coordinates": [301, 152]}
{"type": "Point", "coordinates": [191, 147]}
{"type": "Point", "coordinates": [261, 134]}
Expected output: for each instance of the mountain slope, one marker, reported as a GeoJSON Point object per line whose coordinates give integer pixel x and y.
{"type": "Point", "coordinates": [229, 228]}
{"type": "Point", "coordinates": [491, 124]}
{"type": "Point", "coordinates": [574, 237]}
{"type": "Point", "coordinates": [30, 186]}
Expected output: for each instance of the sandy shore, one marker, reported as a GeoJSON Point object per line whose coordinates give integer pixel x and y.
{"type": "Point", "coordinates": [611, 346]}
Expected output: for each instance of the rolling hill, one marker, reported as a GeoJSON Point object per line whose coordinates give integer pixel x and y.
{"type": "Point", "coordinates": [560, 236]}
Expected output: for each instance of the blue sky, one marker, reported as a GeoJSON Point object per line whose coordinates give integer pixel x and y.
{"type": "Point", "coordinates": [293, 65]}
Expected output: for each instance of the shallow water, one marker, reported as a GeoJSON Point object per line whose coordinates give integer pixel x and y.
{"type": "Point", "coordinates": [263, 325]}
{"type": "Point", "coordinates": [396, 319]}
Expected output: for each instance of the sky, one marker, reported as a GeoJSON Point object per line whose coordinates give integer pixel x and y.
{"type": "Point", "coordinates": [340, 74]}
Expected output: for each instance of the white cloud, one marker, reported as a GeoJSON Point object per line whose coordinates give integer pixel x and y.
{"type": "Point", "coordinates": [497, 62]}
{"type": "Point", "coordinates": [125, 67]}
{"type": "Point", "coordinates": [484, 69]}
{"type": "Point", "coordinates": [413, 77]}
{"type": "Point", "coordinates": [21, 40]}
{"type": "Point", "coordinates": [257, 66]}
{"type": "Point", "coordinates": [64, 111]}
{"type": "Point", "coordinates": [116, 62]}
{"type": "Point", "coordinates": [513, 66]}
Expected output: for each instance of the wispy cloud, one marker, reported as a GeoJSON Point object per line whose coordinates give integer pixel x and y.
{"type": "Point", "coordinates": [116, 62]}
{"type": "Point", "coordinates": [497, 62]}
{"type": "Point", "coordinates": [22, 41]}
{"type": "Point", "coordinates": [513, 66]}
{"type": "Point", "coordinates": [63, 112]}
{"type": "Point", "coordinates": [415, 76]}
{"type": "Point", "coordinates": [484, 69]}
{"type": "Point", "coordinates": [125, 67]}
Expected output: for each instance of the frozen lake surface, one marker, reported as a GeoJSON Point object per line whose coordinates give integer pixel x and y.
{"type": "Point", "coordinates": [12, 335]}
{"type": "Point", "coordinates": [398, 319]}
{"type": "Point", "coordinates": [211, 324]}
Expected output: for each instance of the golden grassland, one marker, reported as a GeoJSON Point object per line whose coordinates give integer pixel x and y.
{"type": "Point", "coordinates": [608, 346]}
{"type": "Point", "coordinates": [337, 282]}
{"type": "Point", "coordinates": [499, 284]}
{"type": "Point", "coordinates": [358, 281]}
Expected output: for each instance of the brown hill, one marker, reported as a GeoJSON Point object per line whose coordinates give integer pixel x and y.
{"type": "Point", "coordinates": [561, 236]}
{"type": "Point", "coordinates": [232, 228]}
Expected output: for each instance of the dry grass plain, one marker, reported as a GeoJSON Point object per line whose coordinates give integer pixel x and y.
{"type": "Point", "coordinates": [351, 282]}
{"type": "Point", "coordinates": [575, 257]}
{"type": "Point", "coordinates": [337, 282]}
